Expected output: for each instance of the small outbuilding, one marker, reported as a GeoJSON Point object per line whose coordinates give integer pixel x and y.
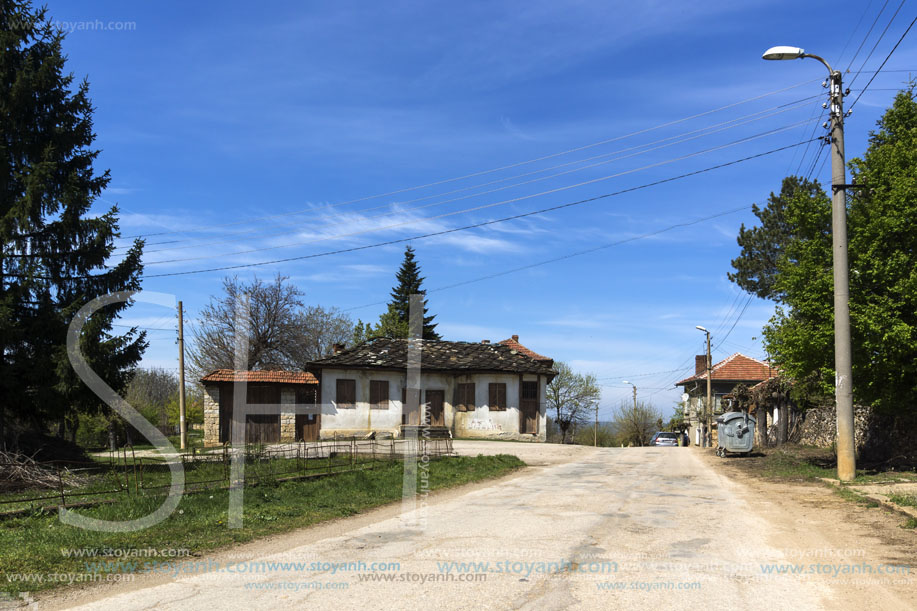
{"type": "Point", "coordinates": [288, 390]}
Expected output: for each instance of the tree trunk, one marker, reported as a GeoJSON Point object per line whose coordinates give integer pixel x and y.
{"type": "Point", "coordinates": [783, 423]}
{"type": "Point", "coordinates": [72, 427]}
{"type": "Point", "coordinates": [761, 426]}
{"type": "Point", "coordinates": [112, 439]}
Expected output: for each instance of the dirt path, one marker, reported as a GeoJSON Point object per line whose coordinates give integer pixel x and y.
{"type": "Point", "coordinates": [586, 528]}
{"type": "Point", "coordinates": [814, 520]}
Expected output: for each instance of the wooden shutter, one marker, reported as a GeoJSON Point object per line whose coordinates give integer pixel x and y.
{"type": "Point", "coordinates": [378, 394]}
{"type": "Point", "coordinates": [464, 397]}
{"type": "Point", "coordinates": [263, 394]}
{"type": "Point", "coordinates": [497, 396]}
{"type": "Point", "coordinates": [346, 393]}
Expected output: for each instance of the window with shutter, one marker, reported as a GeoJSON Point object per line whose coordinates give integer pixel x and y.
{"type": "Point", "coordinates": [464, 397]}
{"type": "Point", "coordinates": [497, 397]}
{"type": "Point", "coordinates": [346, 393]}
{"type": "Point", "coordinates": [378, 394]}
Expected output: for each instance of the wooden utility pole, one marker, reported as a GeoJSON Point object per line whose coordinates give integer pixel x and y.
{"type": "Point", "coordinates": [183, 427]}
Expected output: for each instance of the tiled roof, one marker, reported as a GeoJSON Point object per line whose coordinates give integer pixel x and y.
{"type": "Point", "coordinates": [736, 368]}
{"type": "Point", "coordinates": [439, 355]}
{"type": "Point", "coordinates": [513, 343]}
{"type": "Point", "coordinates": [280, 377]}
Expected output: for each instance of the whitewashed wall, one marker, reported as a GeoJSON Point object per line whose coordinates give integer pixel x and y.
{"type": "Point", "coordinates": [481, 423]}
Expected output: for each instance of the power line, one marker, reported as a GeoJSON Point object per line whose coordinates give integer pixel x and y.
{"type": "Point", "coordinates": [738, 318]}
{"type": "Point", "coordinates": [865, 38]}
{"type": "Point", "coordinates": [491, 171]}
{"type": "Point", "coordinates": [483, 206]}
{"type": "Point", "coordinates": [883, 62]}
{"type": "Point", "coordinates": [881, 36]}
{"type": "Point", "coordinates": [482, 224]}
{"type": "Point", "coordinates": [670, 141]}
{"type": "Point", "coordinates": [853, 33]}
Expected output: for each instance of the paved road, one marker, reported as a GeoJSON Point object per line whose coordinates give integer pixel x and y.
{"type": "Point", "coordinates": [625, 528]}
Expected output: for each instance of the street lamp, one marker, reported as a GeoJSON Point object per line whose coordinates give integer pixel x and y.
{"type": "Point", "coordinates": [846, 449]}
{"type": "Point", "coordinates": [635, 392]}
{"type": "Point", "coordinates": [708, 425]}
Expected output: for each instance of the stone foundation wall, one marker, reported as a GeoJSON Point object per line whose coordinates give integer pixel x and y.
{"type": "Point", "coordinates": [211, 415]}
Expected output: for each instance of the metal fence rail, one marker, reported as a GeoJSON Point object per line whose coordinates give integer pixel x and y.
{"type": "Point", "coordinates": [131, 474]}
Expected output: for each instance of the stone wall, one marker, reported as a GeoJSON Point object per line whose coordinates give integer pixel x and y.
{"type": "Point", "coordinates": [211, 415]}
{"type": "Point", "coordinates": [287, 415]}
{"type": "Point", "coordinates": [879, 438]}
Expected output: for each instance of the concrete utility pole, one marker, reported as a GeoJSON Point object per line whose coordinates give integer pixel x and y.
{"type": "Point", "coordinates": [709, 409]}
{"type": "Point", "coordinates": [181, 379]}
{"type": "Point", "coordinates": [846, 445]}
{"type": "Point", "coordinates": [635, 393]}
{"type": "Point", "coordinates": [595, 431]}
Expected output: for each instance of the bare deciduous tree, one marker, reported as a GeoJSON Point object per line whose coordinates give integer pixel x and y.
{"type": "Point", "coordinates": [636, 423]}
{"type": "Point", "coordinates": [572, 397]}
{"type": "Point", "coordinates": [149, 392]}
{"type": "Point", "coordinates": [282, 332]}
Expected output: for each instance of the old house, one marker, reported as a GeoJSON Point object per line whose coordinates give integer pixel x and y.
{"type": "Point", "coordinates": [487, 390]}
{"type": "Point", "coordinates": [726, 375]}
{"type": "Point", "coordinates": [284, 391]}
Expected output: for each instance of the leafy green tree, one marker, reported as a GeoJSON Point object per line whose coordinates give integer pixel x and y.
{"type": "Point", "coordinates": [764, 245]}
{"type": "Point", "coordinates": [395, 322]}
{"type": "Point", "coordinates": [54, 252]}
{"type": "Point", "coordinates": [789, 259]}
{"type": "Point", "coordinates": [572, 397]}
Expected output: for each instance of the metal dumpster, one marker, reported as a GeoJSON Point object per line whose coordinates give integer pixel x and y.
{"type": "Point", "coordinates": [735, 433]}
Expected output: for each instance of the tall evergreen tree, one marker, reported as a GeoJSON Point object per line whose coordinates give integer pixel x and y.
{"type": "Point", "coordinates": [410, 283]}
{"type": "Point", "coordinates": [53, 249]}
{"type": "Point", "coordinates": [395, 322]}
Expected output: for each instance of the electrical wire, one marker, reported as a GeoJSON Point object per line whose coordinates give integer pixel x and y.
{"type": "Point", "coordinates": [490, 171]}
{"type": "Point", "coordinates": [484, 223]}
{"type": "Point", "coordinates": [881, 36]}
{"type": "Point", "coordinates": [670, 141]}
{"type": "Point", "coordinates": [482, 206]}
{"type": "Point", "coordinates": [887, 57]}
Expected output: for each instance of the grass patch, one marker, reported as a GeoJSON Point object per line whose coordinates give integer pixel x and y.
{"type": "Point", "coordinates": [855, 497]}
{"type": "Point", "coordinates": [787, 466]}
{"type": "Point", "coordinates": [905, 500]}
{"type": "Point", "coordinates": [910, 524]}
{"type": "Point", "coordinates": [804, 463]}
{"type": "Point", "coordinates": [32, 544]}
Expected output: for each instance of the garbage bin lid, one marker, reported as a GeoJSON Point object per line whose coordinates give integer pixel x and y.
{"type": "Point", "coordinates": [730, 416]}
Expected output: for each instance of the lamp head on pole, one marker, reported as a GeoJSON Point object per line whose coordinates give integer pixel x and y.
{"type": "Point", "coordinates": [775, 53]}
{"type": "Point", "coordinates": [700, 328]}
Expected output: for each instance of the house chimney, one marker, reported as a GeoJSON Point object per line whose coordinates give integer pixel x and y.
{"type": "Point", "coordinates": [336, 348]}
{"type": "Point", "coordinates": [485, 341]}
{"type": "Point", "coordinates": [700, 364]}
{"type": "Point", "coordinates": [516, 338]}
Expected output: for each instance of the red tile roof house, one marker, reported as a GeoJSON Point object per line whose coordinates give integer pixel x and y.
{"type": "Point", "coordinates": [727, 374]}
{"type": "Point", "coordinates": [285, 389]}
{"type": "Point", "coordinates": [483, 390]}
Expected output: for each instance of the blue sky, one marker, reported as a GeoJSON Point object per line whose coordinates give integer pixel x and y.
{"type": "Point", "coordinates": [213, 116]}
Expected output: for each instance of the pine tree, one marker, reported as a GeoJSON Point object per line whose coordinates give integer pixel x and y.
{"type": "Point", "coordinates": [395, 322]}
{"type": "Point", "coordinates": [409, 283]}
{"type": "Point", "coordinates": [53, 249]}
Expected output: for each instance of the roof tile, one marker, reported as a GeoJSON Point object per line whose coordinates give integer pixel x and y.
{"type": "Point", "coordinates": [280, 377]}
{"type": "Point", "coordinates": [737, 367]}
{"type": "Point", "coordinates": [440, 355]}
